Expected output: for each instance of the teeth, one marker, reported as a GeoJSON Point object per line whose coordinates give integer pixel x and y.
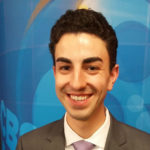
{"type": "Point", "coordinates": [78, 98]}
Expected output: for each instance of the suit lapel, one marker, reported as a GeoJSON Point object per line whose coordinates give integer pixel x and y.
{"type": "Point", "coordinates": [56, 138]}
{"type": "Point", "coordinates": [116, 139]}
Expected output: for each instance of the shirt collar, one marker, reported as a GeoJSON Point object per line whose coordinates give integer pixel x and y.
{"type": "Point", "coordinates": [98, 138]}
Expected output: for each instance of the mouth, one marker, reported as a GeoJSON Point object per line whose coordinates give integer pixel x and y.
{"type": "Point", "coordinates": [79, 98]}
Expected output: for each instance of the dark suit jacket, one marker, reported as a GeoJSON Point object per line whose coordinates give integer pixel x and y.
{"type": "Point", "coordinates": [51, 137]}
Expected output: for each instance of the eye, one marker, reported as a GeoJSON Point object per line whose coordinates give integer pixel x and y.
{"type": "Point", "coordinates": [64, 69]}
{"type": "Point", "coordinates": [92, 69]}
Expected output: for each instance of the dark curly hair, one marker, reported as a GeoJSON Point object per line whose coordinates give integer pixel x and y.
{"type": "Point", "coordinates": [88, 21]}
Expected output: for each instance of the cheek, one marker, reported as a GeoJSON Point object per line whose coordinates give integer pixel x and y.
{"type": "Point", "coordinates": [60, 81]}
{"type": "Point", "coordinates": [98, 82]}
{"type": "Point", "coordinates": [95, 79]}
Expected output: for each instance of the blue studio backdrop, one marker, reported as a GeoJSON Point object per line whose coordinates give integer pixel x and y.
{"type": "Point", "coordinates": [27, 86]}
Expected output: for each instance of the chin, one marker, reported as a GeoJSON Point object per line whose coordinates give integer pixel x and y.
{"type": "Point", "coordinates": [80, 116]}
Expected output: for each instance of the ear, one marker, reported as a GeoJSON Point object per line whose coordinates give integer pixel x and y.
{"type": "Point", "coordinates": [54, 71]}
{"type": "Point", "coordinates": [113, 77]}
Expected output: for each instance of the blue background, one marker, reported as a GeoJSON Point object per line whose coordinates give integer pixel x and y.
{"type": "Point", "coordinates": [27, 89]}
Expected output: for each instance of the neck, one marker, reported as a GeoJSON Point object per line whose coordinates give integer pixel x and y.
{"type": "Point", "coordinates": [85, 128]}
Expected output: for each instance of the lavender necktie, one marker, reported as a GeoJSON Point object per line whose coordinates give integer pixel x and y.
{"type": "Point", "coordinates": [83, 145]}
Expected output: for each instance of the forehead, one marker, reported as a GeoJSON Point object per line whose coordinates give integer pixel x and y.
{"type": "Point", "coordinates": [79, 46]}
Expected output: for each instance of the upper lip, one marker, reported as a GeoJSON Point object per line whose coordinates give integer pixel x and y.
{"type": "Point", "coordinates": [80, 94]}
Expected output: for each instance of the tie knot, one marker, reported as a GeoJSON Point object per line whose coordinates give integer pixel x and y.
{"type": "Point", "coordinates": [83, 145]}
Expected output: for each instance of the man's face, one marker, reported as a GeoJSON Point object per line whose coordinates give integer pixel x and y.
{"type": "Point", "coordinates": [82, 74]}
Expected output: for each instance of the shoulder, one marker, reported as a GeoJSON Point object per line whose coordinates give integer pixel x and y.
{"type": "Point", "coordinates": [46, 130]}
{"type": "Point", "coordinates": [130, 136]}
{"type": "Point", "coordinates": [130, 131]}
{"type": "Point", "coordinates": [35, 139]}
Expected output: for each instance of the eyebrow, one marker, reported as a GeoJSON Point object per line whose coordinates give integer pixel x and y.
{"type": "Point", "coordinates": [62, 59]}
{"type": "Point", "coordinates": [92, 59]}
{"type": "Point", "coordinates": [85, 61]}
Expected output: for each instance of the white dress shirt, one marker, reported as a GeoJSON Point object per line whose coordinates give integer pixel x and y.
{"type": "Point", "coordinates": [98, 138]}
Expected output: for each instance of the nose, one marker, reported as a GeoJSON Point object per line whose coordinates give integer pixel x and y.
{"type": "Point", "coordinates": [77, 81]}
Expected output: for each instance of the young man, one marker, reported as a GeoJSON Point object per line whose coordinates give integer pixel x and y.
{"type": "Point", "coordinates": [83, 46]}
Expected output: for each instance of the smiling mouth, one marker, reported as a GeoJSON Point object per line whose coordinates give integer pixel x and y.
{"type": "Point", "coordinates": [79, 97]}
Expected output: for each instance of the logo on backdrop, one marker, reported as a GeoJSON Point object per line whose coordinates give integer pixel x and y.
{"type": "Point", "coordinates": [11, 128]}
